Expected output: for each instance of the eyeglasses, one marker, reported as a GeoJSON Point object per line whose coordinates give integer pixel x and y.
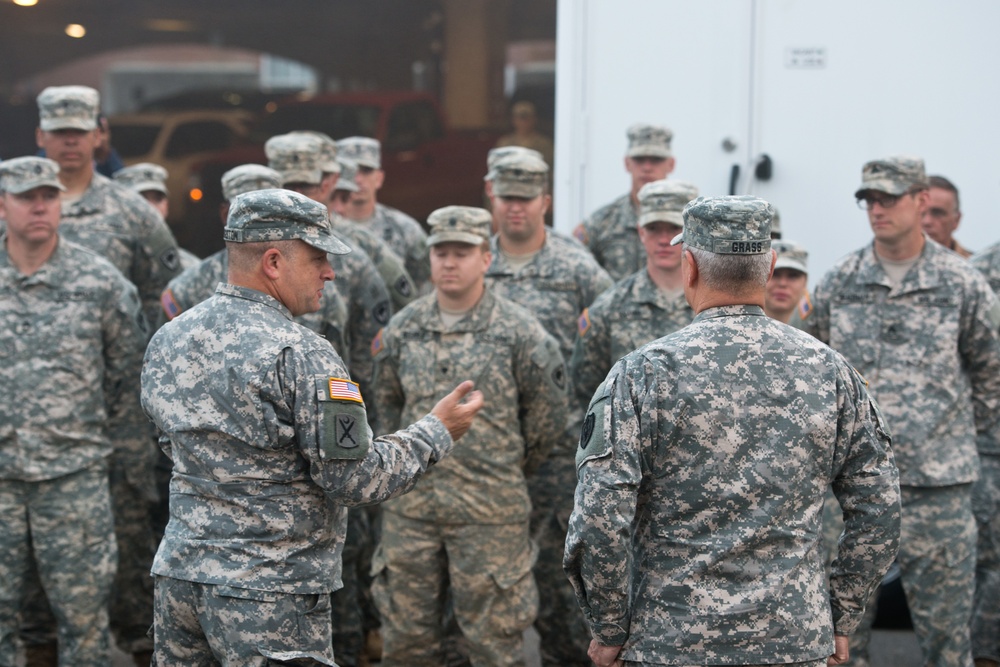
{"type": "Point", "coordinates": [885, 201]}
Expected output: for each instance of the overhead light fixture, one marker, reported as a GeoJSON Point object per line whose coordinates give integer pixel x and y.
{"type": "Point", "coordinates": [25, 3]}
{"type": "Point", "coordinates": [75, 30]}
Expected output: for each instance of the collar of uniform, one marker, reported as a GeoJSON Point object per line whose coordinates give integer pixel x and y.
{"type": "Point", "coordinates": [92, 199]}
{"type": "Point", "coordinates": [644, 290]}
{"type": "Point", "coordinates": [746, 310]}
{"type": "Point", "coordinates": [540, 264]}
{"type": "Point", "coordinates": [477, 319]}
{"type": "Point", "coordinates": [50, 273]}
{"type": "Point", "coordinates": [922, 276]}
{"type": "Point", "coordinates": [240, 292]}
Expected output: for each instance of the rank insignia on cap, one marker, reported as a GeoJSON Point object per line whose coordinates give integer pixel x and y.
{"type": "Point", "coordinates": [377, 343]}
{"type": "Point", "coordinates": [583, 323]}
{"type": "Point", "coordinates": [345, 390]}
{"type": "Point", "coordinates": [169, 304]}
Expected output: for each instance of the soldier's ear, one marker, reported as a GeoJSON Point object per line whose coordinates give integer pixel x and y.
{"type": "Point", "coordinates": [689, 268]}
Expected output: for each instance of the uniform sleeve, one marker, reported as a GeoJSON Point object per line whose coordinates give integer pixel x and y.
{"type": "Point", "coordinates": [866, 484]}
{"type": "Point", "coordinates": [591, 358]}
{"type": "Point", "coordinates": [331, 427]}
{"type": "Point", "coordinates": [156, 261]}
{"type": "Point", "coordinates": [817, 324]}
{"type": "Point", "coordinates": [593, 282]}
{"type": "Point", "coordinates": [389, 395]}
{"type": "Point", "coordinates": [543, 403]}
{"type": "Point", "coordinates": [368, 310]}
{"type": "Point", "coordinates": [598, 552]}
{"type": "Point", "coordinates": [979, 347]}
{"type": "Point", "coordinates": [402, 289]}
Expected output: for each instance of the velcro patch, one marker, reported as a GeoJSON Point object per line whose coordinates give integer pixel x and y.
{"type": "Point", "coordinates": [344, 390]}
{"type": "Point", "coordinates": [592, 442]}
{"type": "Point", "coordinates": [169, 304]}
{"type": "Point", "coordinates": [583, 322]}
{"type": "Point", "coordinates": [377, 344]}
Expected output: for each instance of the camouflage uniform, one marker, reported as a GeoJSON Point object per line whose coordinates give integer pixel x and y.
{"type": "Point", "coordinates": [71, 340]}
{"type": "Point", "coordinates": [403, 234]}
{"type": "Point", "coordinates": [610, 233]}
{"type": "Point", "coordinates": [986, 505]}
{"type": "Point", "coordinates": [702, 467]}
{"type": "Point", "coordinates": [258, 513]}
{"type": "Point", "coordinates": [930, 347]}
{"type": "Point", "coordinates": [558, 283]}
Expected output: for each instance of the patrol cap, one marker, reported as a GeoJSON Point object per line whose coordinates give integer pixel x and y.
{"type": "Point", "coordinates": [68, 108]}
{"type": "Point", "coordinates": [247, 178]}
{"type": "Point", "coordinates": [463, 224]}
{"type": "Point", "coordinates": [21, 174]}
{"type": "Point", "coordinates": [520, 175]}
{"type": "Point", "coordinates": [367, 152]}
{"type": "Point", "coordinates": [790, 255]}
{"type": "Point", "coordinates": [776, 224]}
{"type": "Point", "coordinates": [348, 170]}
{"type": "Point", "coordinates": [893, 175]}
{"type": "Point", "coordinates": [327, 152]}
{"type": "Point", "coordinates": [649, 141]}
{"type": "Point", "coordinates": [501, 152]}
{"type": "Point", "coordinates": [733, 225]}
{"type": "Point", "coordinates": [142, 177]}
{"type": "Point", "coordinates": [664, 201]}
{"type": "Point", "coordinates": [281, 215]}
{"type": "Point", "coordinates": [297, 156]}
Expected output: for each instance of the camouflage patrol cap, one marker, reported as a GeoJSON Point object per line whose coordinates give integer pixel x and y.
{"type": "Point", "coordinates": [328, 150]}
{"type": "Point", "coordinates": [247, 178]}
{"type": "Point", "coordinates": [296, 156]}
{"type": "Point", "coordinates": [142, 177]}
{"type": "Point", "coordinates": [664, 201]}
{"type": "Point", "coordinates": [463, 224]}
{"type": "Point", "coordinates": [733, 225]}
{"type": "Point", "coordinates": [348, 170]}
{"type": "Point", "coordinates": [501, 152]}
{"type": "Point", "coordinates": [893, 175]}
{"type": "Point", "coordinates": [520, 175]}
{"type": "Point", "coordinates": [367, 152]}
{"type": "Point", "coordinates": [21, 174]}
{"type": "Point", "coordinates": [281, 215]}
{"type": "Point", "coordinates": [68, 108]}
{"type": "Point", "coordinates": [649, 141]}
{"type": "Point", "coordinates": [790, 256]}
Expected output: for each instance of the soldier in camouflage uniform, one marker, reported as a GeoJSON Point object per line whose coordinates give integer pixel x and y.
{"type": "Point", "coordinates": [277, 448]}
{"type": "Point", "coordinates": [463, 531]}
{"type": "Point", "coordinates": [644, 306]}
{"type": "Point", "coordinates": [71, 339]}
{"type": "Point", "coordinates": [703, 463]}
{"type": "Point", "coordinates": [788, 284]}
{"type": "Point", "coordinates": [122, 227]}
{"type": "Point", "coordinates": [986, 506]}
{"type": "Point", "coordinates": [555, 280]}
{"type": "Point", "coordinates": [295, 155]}
{"type": "Point", "coordinates": [400, 231]}
{"type": "Point", "coordinates": [924, 327]}
{"type": "Point", "coordinates": [611, 232]}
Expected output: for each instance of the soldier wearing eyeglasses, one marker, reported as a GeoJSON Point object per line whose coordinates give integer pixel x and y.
{"type": "Point", "coordinates": [923, 327]}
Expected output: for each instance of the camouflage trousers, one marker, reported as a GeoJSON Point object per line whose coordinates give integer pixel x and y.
{"type": "Point", "coordinates": [492, 591]}
{"type": "Point", "coordinates": [986, 603]}
{"type": "Point", "coordinates": [131, 607]}
{"type": "Point", "coordinates": [561, 627]}
{"type": "Point", "coordinates": [200, 625]}
{"type": "Point", "coordinates": [67, 524]}
{"type": "Point", "coordinates": [937, 561]}
{"type": "Point", "coordinates": [345, 603]}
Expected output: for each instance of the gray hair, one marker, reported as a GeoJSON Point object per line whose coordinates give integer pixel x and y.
{"type": "Point", "coordinates": [734, 274]}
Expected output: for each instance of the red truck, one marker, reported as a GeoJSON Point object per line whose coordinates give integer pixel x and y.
{"type": "Point", "coordinates": [427, 164]}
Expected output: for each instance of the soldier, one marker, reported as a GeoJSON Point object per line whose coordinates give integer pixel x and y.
{"type": "Point", "coordinates": [463, 531]}
{"type": "Point", "coordinates": [703, 463]}
{"type": "Point", "coordinates": [924, 327]}
{"type": "Point", "coordinates": [149, 181]}
{"type": "Point", "coordinates": [122, 227]}
{"type": "Point", "coordinates": [277, 448]}
{"type": "Point", "coordinates": [292, 153]}
{"type": "Point", "coordinates": [644, 306]}
{"type": "Point", "coordinates": [71, 339]}
{"type": "Point", "coordinates": [345, 186]}
{"type": "Point", "coordinates": [611, 231]}
{"type": "Point", "coordinates": [787, 288]}
{"type": "Point", "coordinates": [524, 120]}
{"type": "Point", "coordinates": [942, 215]}
{"type": "Point", "coordinates": [400, 231]}
{"type": "Point", "coordinates": [986, 506]}
{"type": "Point", "coordinates": [555, 280]}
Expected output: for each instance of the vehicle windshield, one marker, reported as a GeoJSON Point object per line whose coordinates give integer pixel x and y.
{"type": "Point", "coordinates": [338, 121]}
{"type": "Point", "coordinates": [133, 140]}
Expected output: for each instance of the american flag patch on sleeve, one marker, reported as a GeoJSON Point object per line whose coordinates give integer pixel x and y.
{"type": "Point", "coordinates": [169, 304]}
{"type": "Point", "coordinates": [344, 390]}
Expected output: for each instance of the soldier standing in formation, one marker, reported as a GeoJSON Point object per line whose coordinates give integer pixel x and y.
{"type": "Point", "coordinates": [703, 464]}
{"type": "Point", "coordinates": [788, 284]}
{"type": "Point", "coordinates": [71, 340]}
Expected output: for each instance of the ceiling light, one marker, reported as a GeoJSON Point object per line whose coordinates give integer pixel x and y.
{"type": "Point", "coordinates": [76, 30]}
{"type": "Point", "coordinates": [26, 3]}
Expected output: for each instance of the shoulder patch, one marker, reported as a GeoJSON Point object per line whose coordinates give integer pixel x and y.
{"type": "Point", "coordinates": [377, 344]}
{"type": "Point", "coordinates": [805, 306]}
{"type": "Point", "coordinates": [344, 390]}
{"type": "Point", "coordinates": [583, 322]}
{"type": "Point", "coordinates": [381, 312]}
{"type": "Point", "coordinates": [592, 442]}
{"type": "Point", "coordinates": [580, 234]}
{"type": "Point", "coordinates": [169, 304]}
{"type": "Point", "coordinates": [343, 426]}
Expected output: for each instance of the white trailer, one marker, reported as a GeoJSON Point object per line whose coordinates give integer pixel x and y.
{"type": "Point", "coordinates": [819, 86]}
